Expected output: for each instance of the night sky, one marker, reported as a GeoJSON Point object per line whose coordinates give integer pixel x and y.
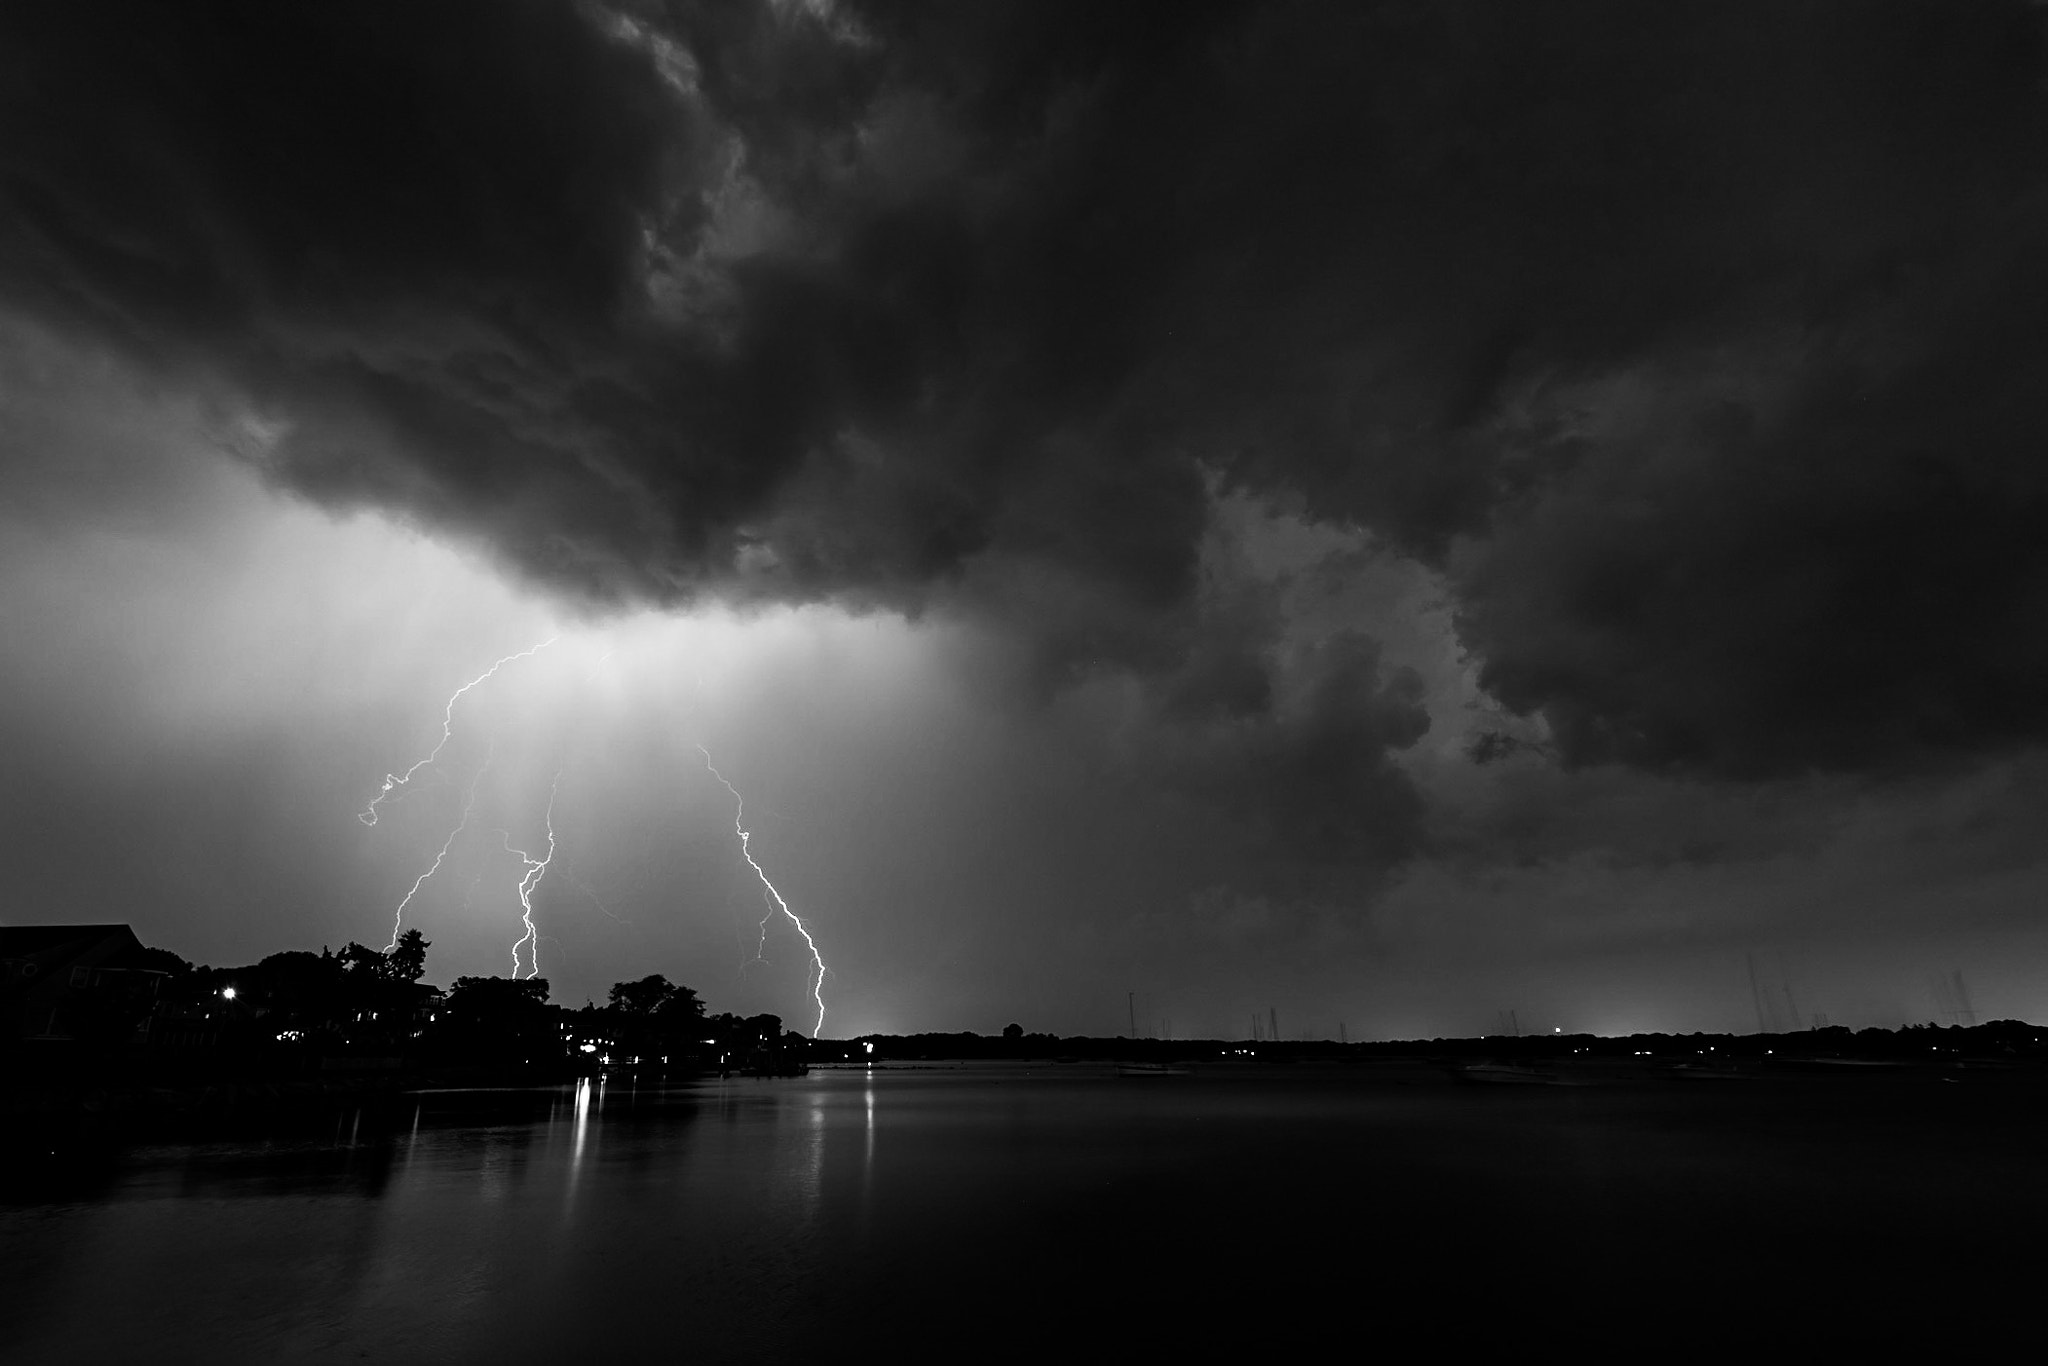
{"type": "Point", "coordinates": [1390, 514]}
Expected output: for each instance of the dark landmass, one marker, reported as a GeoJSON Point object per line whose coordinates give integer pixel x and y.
{"type": "Point", "coordinates": [101, 1037]}
{"type": "Point", "coordinates": [106, 1040]}
{"type": "Point", "coordinates": [2004, 1043]}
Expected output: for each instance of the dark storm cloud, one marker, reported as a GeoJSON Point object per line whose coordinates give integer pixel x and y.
{"type": "Point", "coordinates": [1311, 780]}
{"type": "Point", "coordinates": [1697, 344]}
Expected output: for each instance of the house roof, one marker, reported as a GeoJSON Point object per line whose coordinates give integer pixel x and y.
{"type": "Point", "coordinates": [39, 941]}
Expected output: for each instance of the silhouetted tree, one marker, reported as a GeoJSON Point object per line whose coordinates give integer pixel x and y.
{"type": "Point", "coordinates": [497, 998]}
{"type": "Point", "coordinates": [174, 968]}
{"type": "Point", "coordinates": [407, 959]}
{"type": "Point", "coordinates": [655, 995]}
{"type": "Point", "coordinates": [303, 991]}
{"type": "Point", "coordinates": [655, 1021]}
{"type": "Point", "coordinates": [500, 1019]}
{"type": "Point", "coordinates": [359, 963]}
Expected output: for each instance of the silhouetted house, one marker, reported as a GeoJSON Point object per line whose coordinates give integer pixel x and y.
{"type": "Point", "coordinates": [422, 1005]}
{"type": "Point", "coordinates": [73, 984]}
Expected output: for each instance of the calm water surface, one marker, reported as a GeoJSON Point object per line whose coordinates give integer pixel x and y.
{"type": "Point", "coordinates": [1044, 1213]}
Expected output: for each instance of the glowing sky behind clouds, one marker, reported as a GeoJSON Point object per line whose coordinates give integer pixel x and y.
{"type": "Point", "coordinates": [1351, 509]}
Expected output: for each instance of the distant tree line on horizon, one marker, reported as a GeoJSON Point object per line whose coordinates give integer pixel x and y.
{"type": "Point", "coordinates": [364, 1008]}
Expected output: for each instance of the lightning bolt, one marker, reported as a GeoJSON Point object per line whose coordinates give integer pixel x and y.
{"type": "Point", "coordinates": [536, 869]}
{"type": "Point", "coordinates": [394, 781]}
{"type": "Point", "coordinates": [468, 805]}
{"type": "Point", "coordinates": [740, 829]}
{"type": "Point", "coordinates": [595, 899]}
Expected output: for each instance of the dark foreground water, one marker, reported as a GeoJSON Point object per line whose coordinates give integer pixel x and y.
{"type": "Point", "coordinates": [1055, 1213]}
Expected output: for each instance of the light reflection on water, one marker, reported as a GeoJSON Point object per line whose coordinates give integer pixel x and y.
{"type": "Point", "coordinates": [587, 1091]}
{"type": "Point", "coordinates": [1002, 1208]}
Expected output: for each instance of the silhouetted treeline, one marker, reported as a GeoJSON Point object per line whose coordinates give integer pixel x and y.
{"type": "Point", "coordinates": [96, 1006]}
{"type": "Point", "coordinates": [1999, 1041]}
{"type": "Point", "coordinates": [91, 1001]}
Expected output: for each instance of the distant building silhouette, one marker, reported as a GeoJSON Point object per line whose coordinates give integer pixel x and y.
{"type": "Point", "coordinates": [74, 984]}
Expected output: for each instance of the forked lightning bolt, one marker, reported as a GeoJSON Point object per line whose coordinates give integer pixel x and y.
{"type": "Point", "coordinates": [739, 828]}
{"type": "Point", "coordinates": [468, 805]}
{"type": "Point", "coordinates": [536, 869]}
{"type": "Point", "coordinates": [394, 781]}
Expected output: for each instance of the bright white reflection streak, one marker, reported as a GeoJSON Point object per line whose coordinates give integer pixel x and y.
{"type": "Point", "coordinates": [580, 1132]}
{"type": "Point", "coordinates": [814, 1155]}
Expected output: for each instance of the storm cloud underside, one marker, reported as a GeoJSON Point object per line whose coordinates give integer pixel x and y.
{"type": "Point", "coordinates": [1683, 357]}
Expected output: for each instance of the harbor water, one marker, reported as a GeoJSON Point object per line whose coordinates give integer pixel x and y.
{"type": "Point", "coordinates": [1035, 1212]}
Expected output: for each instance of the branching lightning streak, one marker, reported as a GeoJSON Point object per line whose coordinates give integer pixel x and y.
{"type": "Point", "coordinates": [394, 781]}
{"type": "Point", "coordinates": [468, 805]}
{"type": "Point", "coordinates": [740, 829]}
{"type": "Point", "coordinates": [595, 899]}
{"type": "Point", "coordinates": [536, 869]}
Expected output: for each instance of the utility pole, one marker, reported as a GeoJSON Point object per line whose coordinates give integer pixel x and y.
{"type": "Point", "coordinates": [1131, 1004]}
